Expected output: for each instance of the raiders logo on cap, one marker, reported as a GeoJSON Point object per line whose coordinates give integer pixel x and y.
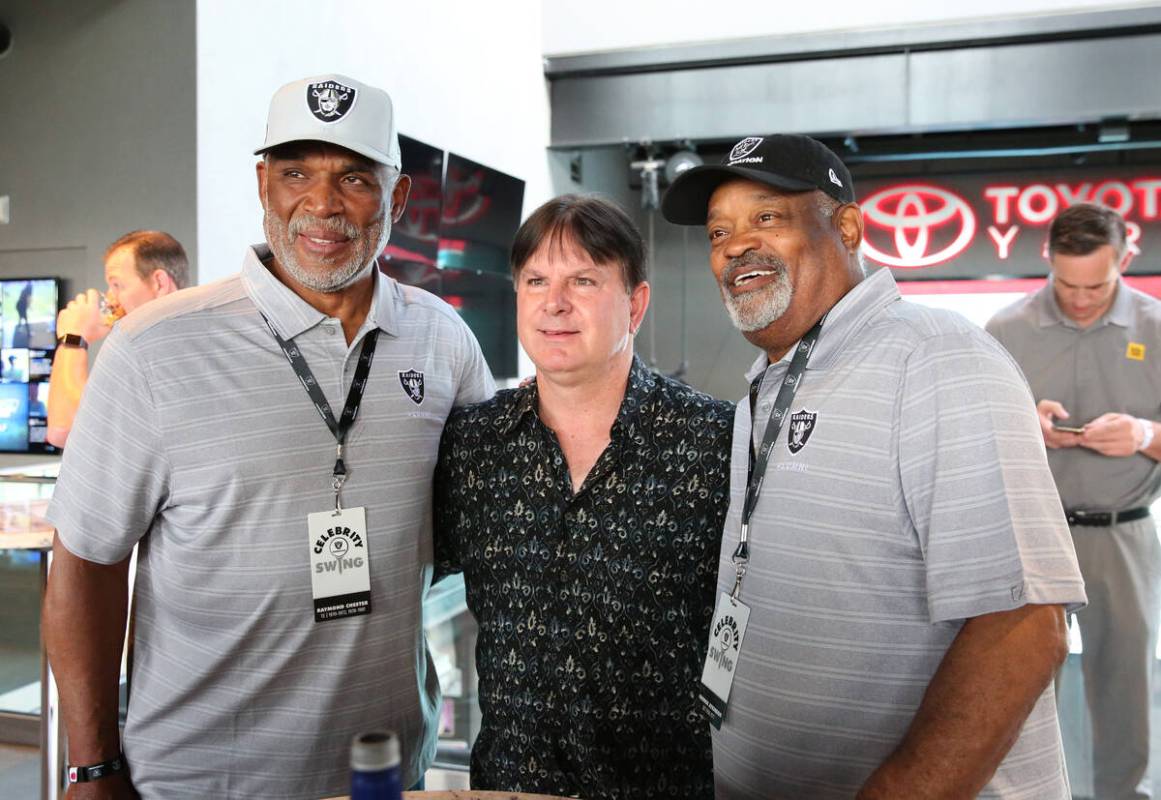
{"type": "Point", "coordinates": [330, 101]}
{"type": "Point", "coordinates": [745, 147]}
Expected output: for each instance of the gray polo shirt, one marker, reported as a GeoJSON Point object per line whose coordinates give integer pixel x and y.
{"type": "Point", "coordinates": [919, 497]}
{"type": "Point", "coordinates": [196, 439]}
{"type": "Point", "coordinates": [1112, 365]}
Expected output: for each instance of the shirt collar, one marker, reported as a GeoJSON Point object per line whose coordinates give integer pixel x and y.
{"type": "Point", "coordinates": [845, 319]}
{"type": "Point", "coordinates": [290, 314]}
{"type": "Point", "coordinates": [1120, 313]}
{"type": "Point", "coordinates": [642, 382]}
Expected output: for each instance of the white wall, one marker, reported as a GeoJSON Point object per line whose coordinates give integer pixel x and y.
{"type": "Point", "coordinates": [583, 26]}
{"type": "Point", "coordinates": [462, 78]}
{"type": "Point", "coordinates": [96, 131]}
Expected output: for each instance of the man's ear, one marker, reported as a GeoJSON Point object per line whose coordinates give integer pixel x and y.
{"type": "Point", "coordinates": [638, 305]}
{"type": "Point", "coordinates": [849, 221]}
{"type": "Point", "coordinates": [399, 196]}
{"type": "Point", "coordinates": [1124, 265]}
{"type": "Point", "coordinates": [260, 169]}
{"type": "Point", "coordinates": [162, 282]}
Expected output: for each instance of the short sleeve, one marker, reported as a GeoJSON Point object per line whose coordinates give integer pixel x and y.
{"type": "Point", "coordinates": [976, 483]}
{"type": "Point", "coordinates": [476, 384]}
{"type": "Point", "coordinates": [114, 475]}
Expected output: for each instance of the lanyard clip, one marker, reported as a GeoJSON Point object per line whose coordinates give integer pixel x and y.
{"type": "Point", "coordinates": [738, 575]}
{"type": "Point", "coordinates": [742, 553]}
{"type": "Point", "coordinates": [338, 478]}
{"type": "Point", "coordinates": [741, 559]}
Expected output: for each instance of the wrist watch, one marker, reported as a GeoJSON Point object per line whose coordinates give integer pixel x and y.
{"type": "Point", "coordinates": [72, 340]}
{"type": "Point", "coordinates": [1146, 433]}
{"type": "Point", "coordinates": [95, 772]}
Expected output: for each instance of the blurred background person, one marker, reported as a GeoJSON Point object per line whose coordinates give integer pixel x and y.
{"type": "Point", "coordinates": [139, 267]}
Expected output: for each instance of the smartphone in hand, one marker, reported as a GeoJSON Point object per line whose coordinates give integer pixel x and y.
{"type": "Point", "coordinates": [1059, 426]}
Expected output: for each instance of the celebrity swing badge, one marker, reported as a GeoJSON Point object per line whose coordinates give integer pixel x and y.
{"type": "Point", "coordinates": [725, 645]}
{"type": "Point", "coordinates": [340, 573]}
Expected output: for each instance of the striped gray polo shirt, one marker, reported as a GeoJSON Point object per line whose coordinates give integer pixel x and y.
{"type": "Point", "coordinates": [196, 439]}
{"type": "Point", "coordinates": [919, 497]}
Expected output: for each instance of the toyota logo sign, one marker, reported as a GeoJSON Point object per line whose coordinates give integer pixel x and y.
{"type": "Point", "coordinates": [926, 225]}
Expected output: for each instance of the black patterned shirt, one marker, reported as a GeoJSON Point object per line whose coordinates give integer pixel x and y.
{"type": "Point", "coordinates": [594, 607]}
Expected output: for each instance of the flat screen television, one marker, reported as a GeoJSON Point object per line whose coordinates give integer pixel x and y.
{"type": "Point", "coordinates": [415, 237]}
{"type": "Point", "coordinates": [28, 309]}
{"type": "Point", "coordinates": [481, 212]}
{"type": "Point", "coordinates": [454, 240]}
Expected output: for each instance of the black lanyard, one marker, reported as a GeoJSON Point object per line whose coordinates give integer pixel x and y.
{"type": "Point", "coordinates": [756, 470]}
{"type": "Point", "coordinates": [342, 426]}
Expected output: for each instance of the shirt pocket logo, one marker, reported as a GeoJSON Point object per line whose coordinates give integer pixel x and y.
{"type": "Point", "coordinates": [1135, 351]}
{"type": "Point", "coordinates": [412, 382]}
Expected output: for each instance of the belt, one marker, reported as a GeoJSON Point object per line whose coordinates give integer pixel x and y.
{"type": "Point", "coordinates": [1104, 519]}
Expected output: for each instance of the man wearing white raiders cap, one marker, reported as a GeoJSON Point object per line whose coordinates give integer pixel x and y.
{"type": "Point", "coordinates": [269, 441]}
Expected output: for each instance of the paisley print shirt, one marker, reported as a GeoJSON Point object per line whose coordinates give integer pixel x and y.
{"type": "Point", "coordinates": [594, 607]}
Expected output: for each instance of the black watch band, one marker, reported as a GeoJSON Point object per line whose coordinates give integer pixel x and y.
{"type": "Point", "coordinates": [95, 772]}
{"type": "Point", "coordinates": [72, 340]}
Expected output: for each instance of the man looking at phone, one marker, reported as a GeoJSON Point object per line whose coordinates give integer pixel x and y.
{"type": "Point", "coordinates": [139, 267]}
{"type": "Point", "coordinates": [1090, 347]}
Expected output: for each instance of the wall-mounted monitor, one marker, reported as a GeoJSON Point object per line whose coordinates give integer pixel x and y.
{"type": "Point", "coordinates": [28, 309]}
{"type": "Point", "coordinates": [415, 237]}
{"type": "Point", "coordinates": [454, 240]}
{"type": "Point", "coordinates": [481, 212]}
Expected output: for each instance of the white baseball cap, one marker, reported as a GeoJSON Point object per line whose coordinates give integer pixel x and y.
{"type": "Point", "coordinates": [338, 110]}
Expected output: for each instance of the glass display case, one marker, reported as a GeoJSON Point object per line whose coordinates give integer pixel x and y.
{"type": "Point", "coordinates": [25, 544]}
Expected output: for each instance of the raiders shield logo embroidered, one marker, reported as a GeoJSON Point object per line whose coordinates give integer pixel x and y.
{"type": "Point", "coordinates": [412, 382]}
{"type": "Point", "coordinates": [329, 101]}
{"type": "Point", "coordinates": [801, 426]}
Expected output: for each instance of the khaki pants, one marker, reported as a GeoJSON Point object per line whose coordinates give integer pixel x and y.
{"type": "Point", "coordinates": [1122, 572]}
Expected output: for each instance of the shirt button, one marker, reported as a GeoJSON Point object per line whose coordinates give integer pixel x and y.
{"type": "Point", "coordinates": [328, 329]}
{"type": "Point", "coordinates": [764, 405]}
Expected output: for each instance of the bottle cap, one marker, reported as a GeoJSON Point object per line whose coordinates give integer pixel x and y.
{"type": "Point", "coordinates": [374, 751]}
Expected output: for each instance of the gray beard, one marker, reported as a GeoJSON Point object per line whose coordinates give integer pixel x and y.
{"type": "Point", "coordinates": [368, 244]}
{"type": "Point", "coordinates": [753, 311]}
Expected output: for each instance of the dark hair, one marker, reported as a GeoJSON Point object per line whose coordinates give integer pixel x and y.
{"type": "Point", "coordinates": [600, 228]}
{"type": "Point", "coordinates": [155, 250]}
{"type": "Point", "coordinates": [1082, 228]}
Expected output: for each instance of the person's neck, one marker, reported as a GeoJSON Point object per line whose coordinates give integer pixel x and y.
{"type": "Point", "coordinates": [349, 305]}
{"type": "Point", "coordinates": [777, 342]}
{"type": "Point", "coordinates": [583, 402]}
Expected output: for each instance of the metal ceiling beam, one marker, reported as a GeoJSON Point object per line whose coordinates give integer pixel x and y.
{"type": "Point", "coordinates": [832, 44]}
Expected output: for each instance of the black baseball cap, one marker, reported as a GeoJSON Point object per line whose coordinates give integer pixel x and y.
{"type": "Point", "coordinates": [786, 160]}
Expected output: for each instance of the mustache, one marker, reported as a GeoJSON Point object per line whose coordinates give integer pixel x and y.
{"type": "Point", "coordinates": [746, 262]}
{"type": "Point", "coordinates": [329, 224]}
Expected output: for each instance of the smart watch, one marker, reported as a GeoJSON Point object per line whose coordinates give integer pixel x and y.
{"type": "Point", "coordinates": [95, 772]}
{"type": "Point", "coordinates": [72, 340]}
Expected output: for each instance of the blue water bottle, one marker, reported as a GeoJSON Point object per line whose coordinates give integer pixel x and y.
{"type": "Point", "coordinates": [375, 767]}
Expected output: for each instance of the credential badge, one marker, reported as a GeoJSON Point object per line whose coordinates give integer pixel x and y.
{"type": "Point", "coordinates": [330, 101]}
{"type": "Point", "coordinates": [412, 382]}
{"type": "Point", "coordinates": [801, 426]}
